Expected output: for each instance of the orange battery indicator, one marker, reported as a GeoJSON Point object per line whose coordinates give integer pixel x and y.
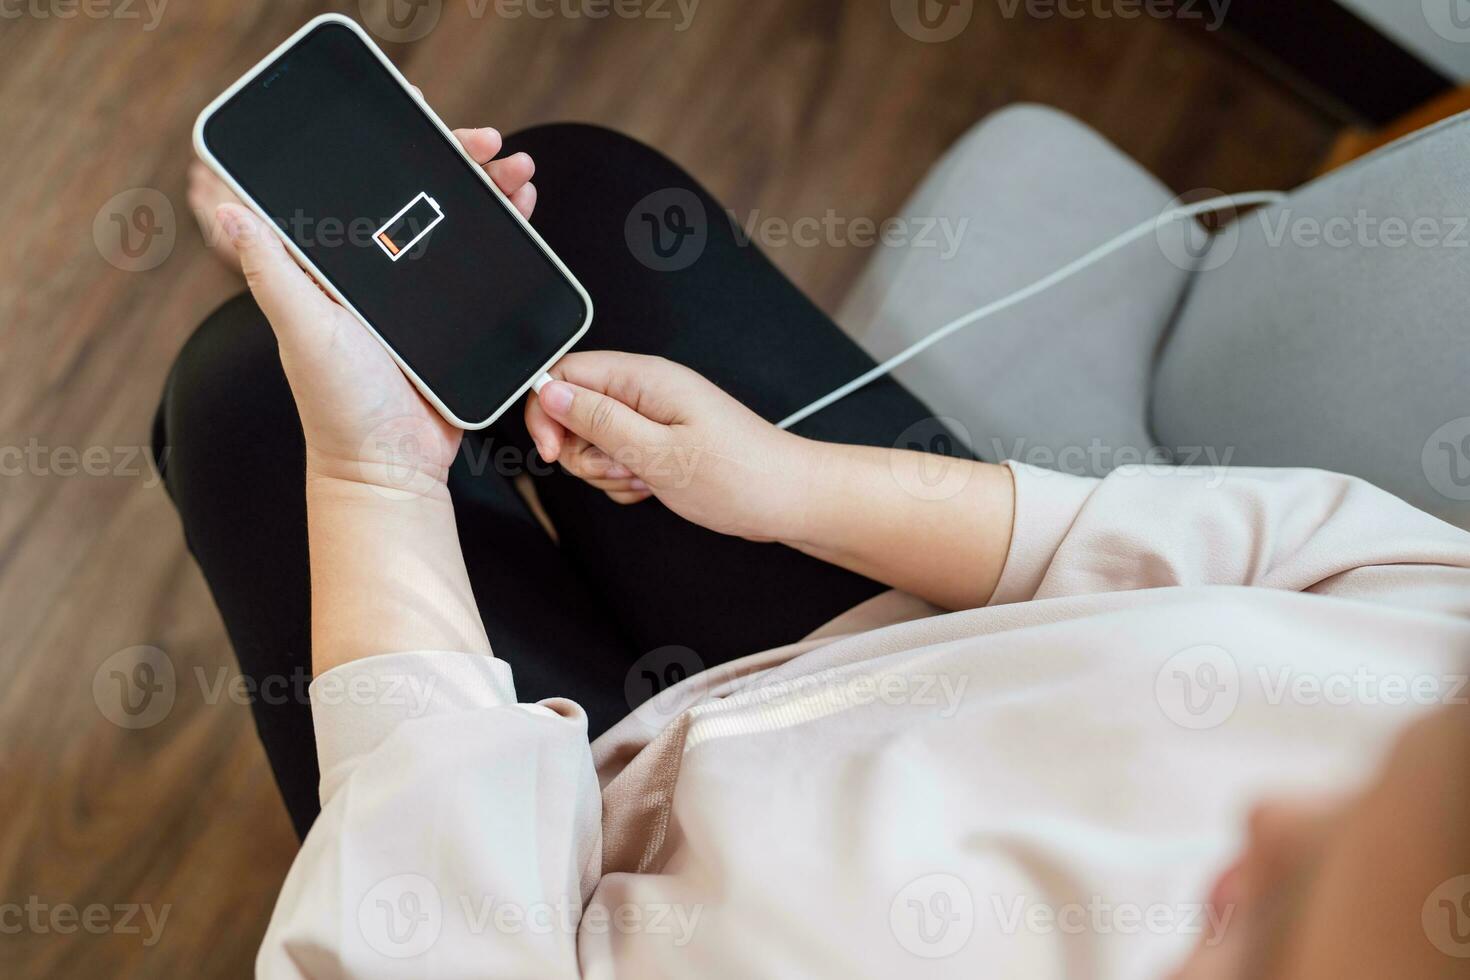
{"type": "Point", "coordinates": [409, 226]}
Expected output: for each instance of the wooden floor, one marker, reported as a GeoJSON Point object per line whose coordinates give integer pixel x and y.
{"type": "Point", "coordinates": [791, 107]}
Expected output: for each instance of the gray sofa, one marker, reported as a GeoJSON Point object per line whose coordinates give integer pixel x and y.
{"type": "Point", "coordinates": [1331, 331]}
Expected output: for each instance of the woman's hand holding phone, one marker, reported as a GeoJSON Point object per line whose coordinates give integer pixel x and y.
{"type": "Point", "coordinates": [362, 419]}
{"type": "Point", "coordinates": [387, 573]}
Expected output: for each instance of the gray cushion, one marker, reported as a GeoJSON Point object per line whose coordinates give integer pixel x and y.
{"type": "Point", "coordinates": [1061, 380]}
{"type": "Point", "coordinates": [1352, 357]}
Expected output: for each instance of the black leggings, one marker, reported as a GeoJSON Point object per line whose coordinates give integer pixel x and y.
{"type": "Point", "coordinates": [632, 597]}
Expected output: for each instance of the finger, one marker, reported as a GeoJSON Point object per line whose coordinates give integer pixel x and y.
{"type": "Point", "coordinates": [587, 462]}
{"type": "Point", "coordinates": [287, 296]}
{"type": "Point", "coordinates": [525, 200]}
{"type": "Point", "coordinates": [601, 419]}
{"type": "Point", "coordinates": [594, 462]}
{"type": "Point", "coordinates": [630, 497]}
{"type": "Point", "coordinates": [511, 173]}
{"type": "Point", "coordinates": [614, 486]}
{"type": "Point", "coordinates": [481, 144]}
{"type": "Point", "coordinates": [546, 432]}
{"type": "Point", "coordinates": [659, 389]}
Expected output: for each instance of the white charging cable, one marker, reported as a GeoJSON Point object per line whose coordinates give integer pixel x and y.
{"type": "Point", "coordinates": [1039, 286]}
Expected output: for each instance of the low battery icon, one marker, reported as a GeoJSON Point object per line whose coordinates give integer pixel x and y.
{"type": "Point", "coordinates": [406, 228]}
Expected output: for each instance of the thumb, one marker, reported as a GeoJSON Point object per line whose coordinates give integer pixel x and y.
{"type": "Point", "coordinates": [603, 421]}
{"type": "Point", "coordinates": [286, 294]}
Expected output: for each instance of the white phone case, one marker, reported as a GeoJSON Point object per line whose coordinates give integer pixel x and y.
{"type": "Point", "coordinates": [213, 164]}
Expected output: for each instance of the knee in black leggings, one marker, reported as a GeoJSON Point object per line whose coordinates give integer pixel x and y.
{"type": "Point", "coordinates": [588, 149]}
{"type": "Point", "coordinates": [226, 403]}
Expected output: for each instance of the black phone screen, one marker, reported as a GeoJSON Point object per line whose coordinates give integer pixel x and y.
{"type": "Point", "coordinates": [354, 172]}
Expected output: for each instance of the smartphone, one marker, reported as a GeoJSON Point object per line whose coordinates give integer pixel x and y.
{"type": "Point", "coordinates": [374, 196]}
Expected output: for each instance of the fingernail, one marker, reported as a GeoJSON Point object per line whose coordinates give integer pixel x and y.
{"type": "Point", "coordinates": [557, 398]}
{"type": "Point", "coordinates": [618, 471]}
{"type": "Point", "coordinates": [637, 484]}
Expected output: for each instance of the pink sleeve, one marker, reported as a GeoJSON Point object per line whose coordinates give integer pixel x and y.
{"type": "Point", "coordinates": [1146, 527]}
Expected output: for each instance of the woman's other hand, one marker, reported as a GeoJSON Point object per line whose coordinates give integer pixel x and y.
{"type": "Point", "coordinates": [636, 426]}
